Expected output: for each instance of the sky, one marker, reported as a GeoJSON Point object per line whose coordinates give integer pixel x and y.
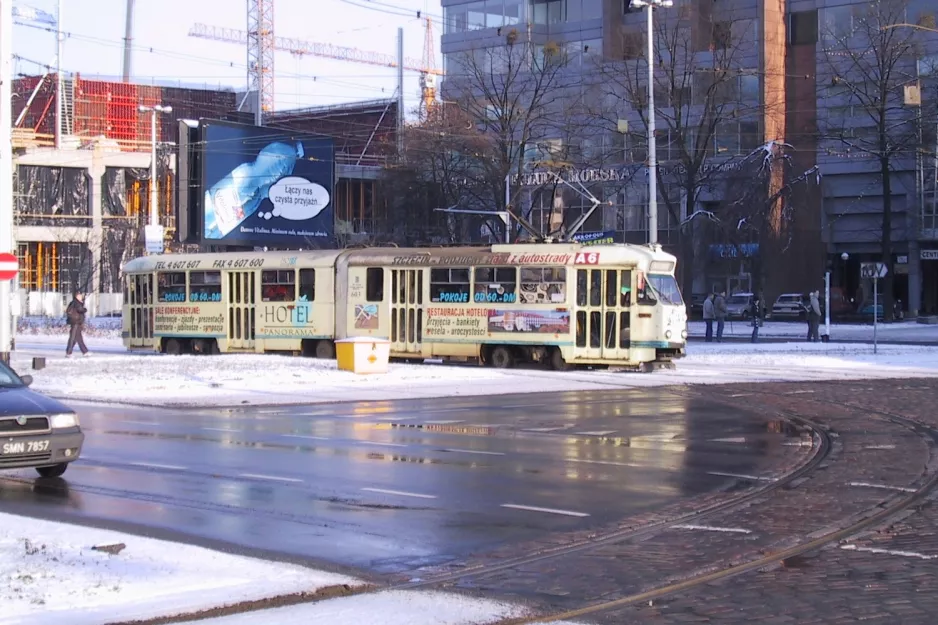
{"type": "Point", "coordinates": [165, 52]}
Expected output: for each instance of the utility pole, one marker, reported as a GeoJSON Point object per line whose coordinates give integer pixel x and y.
{"type": "Point", "coordinates": [400, 92]}
{"type": "Point", "coordinates": [59, 83]}
{"type": "Point", "coordinates": [651, 5]}
{"type": "Point", "coordinates": [154, 231]}
{"type": "Point", "coordinates": [6, 172]}
{"type": "Point", "coordinates": [128, 41]}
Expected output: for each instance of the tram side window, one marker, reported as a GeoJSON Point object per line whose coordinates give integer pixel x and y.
{"type": "Point", "coordinates": [205, 286]}
{"type": "Point", "coordinates": [449, 285]}
{"type": "Point", "coordinates": [307, 285]}
{"type": "Point", "coordinates": [496, 285]}
{"type": "Point", "coordinates": [541, 285]}
{"type": "Point", "coordinates": [625, 291]}
{"type": "Point", "coordinates": [581, 287]}
{"type": "Point", "coordinates": [278, 285]}
{"type": "Point", "coordinates": [374, 284]}
{"type": "Point", "coordinates": [645, 296]}
{"type": "Point", "coordinates": [172, 287]}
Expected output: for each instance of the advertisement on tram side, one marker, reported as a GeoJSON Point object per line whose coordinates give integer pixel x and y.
{"type": "Point", "coordinates": [189, 321]}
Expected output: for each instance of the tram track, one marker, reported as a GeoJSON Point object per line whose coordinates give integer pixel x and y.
{"type": "Point", "coordinates": [874, 517]}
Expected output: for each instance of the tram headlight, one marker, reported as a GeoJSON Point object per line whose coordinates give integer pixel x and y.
{"type": "Point", "coordinates": [684, 334]}
{"type": "Point", "coordinates": [667, 334]}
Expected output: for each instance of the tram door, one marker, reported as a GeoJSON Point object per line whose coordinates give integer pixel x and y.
{"type": "Point", "coordinates": [140, 298]}
{"type": "Point", "coordinates": [407, 310]}
{"type": "Point", "coordinates": [603, 322]}
{"type": "Point", "coordinates": [241, 309]}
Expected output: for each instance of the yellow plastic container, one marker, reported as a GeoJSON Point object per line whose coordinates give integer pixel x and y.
{"type": "Point", "coordinates": [362, 354]}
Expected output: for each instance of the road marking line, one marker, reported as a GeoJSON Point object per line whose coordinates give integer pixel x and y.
{"type": "Point", "coordinates": [399, 492]}
{"type": "Point", "coordinates": [601, 433]}
{"type": "Point", "coordinates": [883, 486]}
{"type": "Point", "coordinates": [890, 552]}
{"type": "Point", "coordinates": [220, 430]}
{"type": "Point", "coordinates": [547, 510]}
{"type": "Point", "coordinates": [742, 395]}
{"type": "Point", "coordinates": [272, 478]}
{"type": "Point", "coordinates": [153, 465]}
{"type": "Point", "coordinates": [742, 476]}
{"type": "Point", "coordinates": [542, 429]}
{"type": "Point", "coordinates": [633, 465]}
{"type": "Point", "coordinates": [142, 423]}
{"type": "Point", "coordinates": [444, 422]}
{"type": "Point", "coordinates": [736, 439]}
{"type": "Point", "coordinates": [711, 528]}
{"type": "Point", "coordinates": [473, 451]}
{"type": "Point", "coordinates": [380, 444]}
{"type": "Point", "coordinates": [879, 447]}
{"type": "Point", "coordinates": [305, 437]}
{"type": "Point", "coordinates": [799, 392]}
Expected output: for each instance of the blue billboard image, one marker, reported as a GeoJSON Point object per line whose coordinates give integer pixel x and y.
{"type": "Point", "coordinates": [266, 187]}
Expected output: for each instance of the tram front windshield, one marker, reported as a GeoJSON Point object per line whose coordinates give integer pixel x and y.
{"type": "Point", "coordinates": [666, 289]}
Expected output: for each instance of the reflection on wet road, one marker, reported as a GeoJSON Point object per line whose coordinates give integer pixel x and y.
{"type": "Point", "coordinates": [396, 485]}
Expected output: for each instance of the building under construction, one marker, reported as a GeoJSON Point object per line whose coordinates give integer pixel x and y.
{"type": "Point", "coordinates": [80, 207]}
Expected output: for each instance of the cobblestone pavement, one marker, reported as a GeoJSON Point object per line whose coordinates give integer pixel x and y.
{"type": "Point", "coordinates": [887, 575]}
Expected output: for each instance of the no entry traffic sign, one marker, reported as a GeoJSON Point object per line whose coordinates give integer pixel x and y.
{"type": "Point", "coordinates": [9, 267]}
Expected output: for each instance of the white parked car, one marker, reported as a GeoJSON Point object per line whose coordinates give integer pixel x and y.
{"type": "Point", "coordinates": [789, 306]}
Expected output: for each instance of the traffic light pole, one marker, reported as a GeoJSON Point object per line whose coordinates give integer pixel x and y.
{"type": "Point", "coordinates": [875, 307]}
{"type": "Point", "coordinates": [6, 173]}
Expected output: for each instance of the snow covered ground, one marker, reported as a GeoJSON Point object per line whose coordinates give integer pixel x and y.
{"type": "Point", "coordinates": [111, 374]}
{"type": "Point", "coordinates": [49, 574]}
{"type": "Point", "coordinates": [902, 331]}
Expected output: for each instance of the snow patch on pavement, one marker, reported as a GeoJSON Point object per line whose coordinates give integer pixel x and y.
{"type": "Point", "coordinates": [385, 608]}
{"type": "Point", "coordinates": [50, 574]}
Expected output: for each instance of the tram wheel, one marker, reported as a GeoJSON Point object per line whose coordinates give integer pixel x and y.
{"type": "Point", "coordinates": [502, 358]}
{"type": "Point", "coordinates": [172, 347]}
{"type": "Point", "coordinates": [557, 363]}
{"type": "Point", "coordinates": [325, 350]}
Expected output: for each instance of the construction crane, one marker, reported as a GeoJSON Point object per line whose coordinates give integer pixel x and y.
{"type": "Point", "coordinates": [260, 47]}
{"type": "Point", "coordinates": [264, 40]}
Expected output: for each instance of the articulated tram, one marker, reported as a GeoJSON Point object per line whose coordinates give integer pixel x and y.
{"type": "Point", "coordinates": [561, 304]}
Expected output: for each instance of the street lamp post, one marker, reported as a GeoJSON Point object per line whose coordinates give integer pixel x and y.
{"type": "Point", "coordinates": [651, 5]}
{"type": "Point", "coordinates": [154, 196]}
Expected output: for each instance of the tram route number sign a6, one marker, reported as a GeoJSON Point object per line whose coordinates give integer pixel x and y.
{"type": "Point", "coordinates": [9, 267]}
{"type": "Point", "coordinates": [586, 258]}
{"type": "Point", "coordinates": [873, 271]}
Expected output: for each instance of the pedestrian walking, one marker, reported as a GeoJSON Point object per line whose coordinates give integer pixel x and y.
{"type": "Point", "coordinates": [75, 316]}
{"type": "Point", "coordinates": [719, 311]}
{"type": "Point", "coordinates": [756, 314]}
{"type": "Point", "coordinates": [814, 317]}
{"type": "Point", "coordinates": [708, 317]}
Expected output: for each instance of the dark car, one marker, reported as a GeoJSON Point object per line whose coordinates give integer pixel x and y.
{"type": "Point", "coordinates": [35, 431]}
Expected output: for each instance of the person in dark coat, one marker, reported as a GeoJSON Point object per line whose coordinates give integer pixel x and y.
{"type": "Point", "coordinates": [75, 316]}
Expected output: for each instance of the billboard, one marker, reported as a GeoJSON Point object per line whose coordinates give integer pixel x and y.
{"type": "Point", "coordinates": [266, 187]}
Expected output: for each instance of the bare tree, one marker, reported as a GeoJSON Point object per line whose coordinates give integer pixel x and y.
{"type": "Point", "coordinates": [871, 64]}
{"type": "Point", "coordinates": [515, 100]}
{"type": "Point", "coordinates": [753, 211]}
{"type": "Point", "coordinates": [431, 174]}
{"type": "Point", "coordinates": [706, 107]}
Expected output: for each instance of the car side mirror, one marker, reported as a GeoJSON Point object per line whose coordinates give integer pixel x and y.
{"type": "Point", "coordinates": [27, 380]}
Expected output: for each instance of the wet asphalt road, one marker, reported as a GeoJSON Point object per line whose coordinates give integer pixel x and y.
{"type": "Point", "coordinates": [392, 486]}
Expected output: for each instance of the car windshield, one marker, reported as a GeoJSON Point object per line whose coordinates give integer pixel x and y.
{"type": "Point", "coordinates": [666, 289]}
{"type": "Point", "coordinates": [8, 378]}
{"type": "Point", "coordinates": [738, 299]}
